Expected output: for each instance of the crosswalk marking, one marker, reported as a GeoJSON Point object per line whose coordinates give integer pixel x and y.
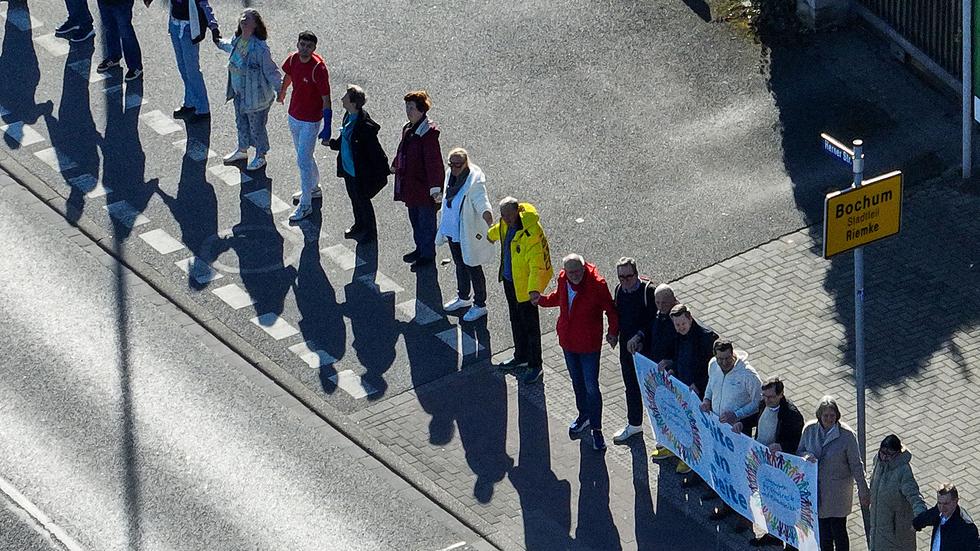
{"type": "Point", "coordinates": [161, 241]}
{"type": "Point", "coordinates": [234, 296]}
{"type": "Point", "coordinates": [267, 201]}
{"type": "Point", "coordinates": [415, 310]}
{"type": "Point", "coordinates": [342, 257]}
{"type": "Point", "coordinates": [55, 46]}
{"type": "Point", "coordinates": [352, 384]}
{"type": "Point", "coordinates": [462, 343]}
{"type": "Point", "coordinates": [59, 161]}
{"type": "Point", "coordinates": [89, 185]}
{"type": "Point", "coordinates": [381, 283]}
{"type": "Point", "coordinates": [230, 175]}
{"type": "Point", "coordinates": [160, 123]}
{"type": "Point", "coordinates": [21, 19]}
{"type": "Point", "coordinates": [21, 133]}
{"type": "Point", "coordinates": [199, 270]}
{"type": "Point", "coordinates": [125, 214]}
{"type": "Point", "coordinates": [312, 355]}
{"type": "Point", "coordinates": [276, 327]}
{"type": "Point", "coordinates": [194, 149]}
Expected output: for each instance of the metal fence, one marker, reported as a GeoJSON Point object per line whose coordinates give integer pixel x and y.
{"type": "Point", "coordinates": [933, 26]}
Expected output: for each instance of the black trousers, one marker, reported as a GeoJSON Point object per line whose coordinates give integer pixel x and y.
{"type": "Point", "coordinates": [467, 276]}
{"type": "Point", "coordinates": [833, 534]}
{"type": "Point", "coordinates": [525, 324]}
{"type": "Point", "coordinates": [634, 401]}
{"type": "Point", "coordinates": [364, 220]}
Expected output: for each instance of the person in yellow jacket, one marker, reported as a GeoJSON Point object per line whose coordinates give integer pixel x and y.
{"type": "Point", "coordinates": [525, 271]}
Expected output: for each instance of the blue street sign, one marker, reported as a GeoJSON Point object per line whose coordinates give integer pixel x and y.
{"type": "Point", "coordinates": [837, 150]}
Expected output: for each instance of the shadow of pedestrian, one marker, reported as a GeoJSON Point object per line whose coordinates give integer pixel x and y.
{"type": "Point", "coordinates": [595, 527]}
{"type": "Point", "coordinates": [545, 500]}
{"type": "Point", "coordinates": [644, 517]}
{"type": "Point", "coordinates": [19, 58]}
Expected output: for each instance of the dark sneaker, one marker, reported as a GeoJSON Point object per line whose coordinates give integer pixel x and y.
{"type": "Point", "coordinates": [577, 427]}
{"type": "Point", "coordinates": [65, 29]}
{"type": "Point", "coordinates": [81, 35]}
{"type": "Point", "coordinates": [106, 65]}
{"type": "Point", "coordinates": [183, 112]}
{"type": "Point", "coordinates": [534, 376]}
{"type": "Point", "coordinates": [598, 442]}
{"type": "Point", "coordinates": [133, 74]}
{"type": "Point", "coordinates": [511, 363]}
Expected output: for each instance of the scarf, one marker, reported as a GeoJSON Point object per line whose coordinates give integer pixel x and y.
{"type": "Point", "coordinates": [455, 184]}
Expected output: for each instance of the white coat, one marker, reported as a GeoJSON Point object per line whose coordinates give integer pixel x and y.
{"type": "Point", "coordinates": [477, 249]}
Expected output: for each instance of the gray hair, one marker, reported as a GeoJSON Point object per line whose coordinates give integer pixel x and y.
{"type": "Point", "coordinates": [573, 257]}
{"type": "Point", "coordinates": [356, 95]}
{"type": "Point", "coordinates": [509, 202]}
{"type": "Point", "coordinates": [664, 289]}
{"type": "Point", "coordinates": [828, 402]}
{"type": "Point", "coordinates": [627, 261]}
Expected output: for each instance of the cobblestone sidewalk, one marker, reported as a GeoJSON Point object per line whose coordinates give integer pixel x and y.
{"type": "Point", "coordinates": [502, 450]}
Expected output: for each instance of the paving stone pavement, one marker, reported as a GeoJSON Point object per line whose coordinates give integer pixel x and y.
{"type": "Point", "coordinates": [474, 433]}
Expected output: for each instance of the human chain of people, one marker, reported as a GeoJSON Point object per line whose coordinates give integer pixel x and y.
{"type": "Point", "coordinates": [448, 203]}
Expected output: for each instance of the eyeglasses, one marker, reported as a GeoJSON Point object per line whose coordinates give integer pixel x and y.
{"type": "Point", "coordinates": [625, 277]}
{"type": "Point", "coordinates": [451, 164]}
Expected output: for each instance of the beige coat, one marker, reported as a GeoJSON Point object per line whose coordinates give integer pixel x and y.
{"type": "Point", "coordinates": [839, 467]}
{"type": "Point", "coordinates": [895, 500]}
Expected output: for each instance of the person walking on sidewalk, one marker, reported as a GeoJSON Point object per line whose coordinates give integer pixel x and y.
{"type": "Point", "coordinates": [466, 218]}
{"type": "Point", "coordinates": [778, 425]}
{"type": "Point", "coordinates": [419, 176]}
{"type": "Point", "coordinates": [525, 268]}
{"type": "Point", "coordinates": [733, 394]}
{"type": "Point", "coordinates": [636, 306]}
{"type": "Point", "coordinates": [952, 527]}
{"type": "Point", "coordinates": [582, 296]}
{"type": "Point", "coordinates": [361, 162]}
{"type": "Point", "coordinates": [833, 446]}
{"type": "Point", "coordinates": [253, 82]}
{"type": "Point", "coordinates": [78, 26]}
{"type": "Point", "coordinates": [119, 38]}
{"type": "Point", "coordinates": [309, 109]}
{"type": "Point", "coordinates": [693, 349]}
{"type": "Point", "coordinates": [189, 23]}
{"type": "Point", "coordinates": [895, 498]}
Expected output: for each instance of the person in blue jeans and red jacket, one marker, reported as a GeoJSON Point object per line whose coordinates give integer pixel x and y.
{"type": "Point", "coordinates": [119, 38]}
{"type": "Point", "coordinates": [189, 23]}
{"type": "Point", "coordinates": [582, 296]}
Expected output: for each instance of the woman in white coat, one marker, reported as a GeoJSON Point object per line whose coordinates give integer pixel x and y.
{"type": "Point", "coordinates": [466, 217]}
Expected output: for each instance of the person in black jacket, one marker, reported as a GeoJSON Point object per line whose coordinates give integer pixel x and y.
{"type": "Point", "coordinates": [952, 527]}
{"type": "Point", "coordinates": [361, 162]}
{"type": "Point", "coordinates": [779, 425]}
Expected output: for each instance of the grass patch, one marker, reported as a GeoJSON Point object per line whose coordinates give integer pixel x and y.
{"type": "Point", "coordinates": [764, 20]}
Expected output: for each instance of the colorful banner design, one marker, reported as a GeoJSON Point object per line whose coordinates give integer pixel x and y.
{"type": "Point", "coordinates": [776, 491]}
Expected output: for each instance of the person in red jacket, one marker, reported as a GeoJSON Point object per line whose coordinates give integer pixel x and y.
{"type": "Point", "coordinates": [582, 296]}
{"type": "Point", "coordinates": [419, 176]}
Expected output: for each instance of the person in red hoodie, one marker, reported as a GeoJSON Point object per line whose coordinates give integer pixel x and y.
{"type": "Point", "coordinates": [582, 296]}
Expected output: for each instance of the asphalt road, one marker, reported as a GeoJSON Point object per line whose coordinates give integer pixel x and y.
{"type": "Point", "coordinates": [129, 433]}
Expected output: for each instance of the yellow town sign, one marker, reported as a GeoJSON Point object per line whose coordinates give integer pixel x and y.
{"type": "Point", "coordinates": [857, 216]}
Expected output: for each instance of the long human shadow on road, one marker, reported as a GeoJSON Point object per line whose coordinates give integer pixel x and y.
{"type": "Point", "coordinates": [904, 288]}
{"type": "Point", "coordinates": [595, 527]}
{"type": "Point", "coordinates": [371, 312]}
{"type": "Point", "coordinates": [20, 70]}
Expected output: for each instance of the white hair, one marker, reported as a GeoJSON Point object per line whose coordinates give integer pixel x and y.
{"type": "Point", "coordinates": [570, 257]}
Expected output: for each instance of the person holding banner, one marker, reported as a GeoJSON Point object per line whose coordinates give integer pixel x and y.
{"type": "Point", "coordinates": [582, 297]}
{"type": "Point", "coordinates": [693, 350]}
{"type": "Point", "coordinates": [834, 447]}
{"type": "Point", "coordinates": [658, 342]}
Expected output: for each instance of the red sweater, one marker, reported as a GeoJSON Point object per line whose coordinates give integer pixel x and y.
{"type": "Point", "coordinates": [580, 328]}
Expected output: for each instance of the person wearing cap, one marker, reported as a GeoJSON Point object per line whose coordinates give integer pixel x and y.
{"type": "Point", "coordinates": [895, 498]}
{"type": "Point", "coordinates": [733, 394]}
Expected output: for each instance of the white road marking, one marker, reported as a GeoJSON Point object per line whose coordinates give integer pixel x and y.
{"type": "Point", "coordinates": [44, 520]}
{"type": "Point", "coordinates": [417, 311]}
{"type": "Point", "coordinates": [381, 283]}
{"type": "Point", "coordinates": [21, 133]}
{"type": "Point", "coordinates": [160, 123]}
{"type": "Point", "coordinates": [262, 199]}
{"type": "Point", "coordinates": [89, 185]}
{"type": "Point", "coordinates": [234, 296]}
{"type": "Point", "coordinates": [462, 343]}
{"type": "Point", "coordinates": [84, 69]}
{"type": "Point", "coordinates": [343, 257]}
{"type": "Point", "coordinates": [161, 241]}
{"type": "Point", "coordinates": [275, 326]}
{"type": "Point", "coordinates": [125, 214]}
{"type": "Point", "coordinates": [55, 46]}
{"type": "Point", "coordinates": [59, 161]}
{"type": "Point", "coordinates": [21, 19]}
{"type": "Point", "coordinates": [314, 357]}
{"type": "Point", "coordinates": [230, 175]}
{"type": "Point", "coordinates": [352, 384]}
{"type": "Point", "coordinates": [456, 545]}
{"type": "Point", "coordinates": [198, 269]}
{"type": "Point", "coordinates": [195, 150]}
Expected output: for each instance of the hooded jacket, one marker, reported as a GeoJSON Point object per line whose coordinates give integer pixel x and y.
{"type": "Point", "coordinates": [580, 322]}
{"type": "Point", "coordinates": [370, 160]}
{"type": "Point", "coordinates": [473, 202]}
{"type": "Point", "coordinates": [529, 253]}
{"type": "Point", "coordinates": [895, 500]}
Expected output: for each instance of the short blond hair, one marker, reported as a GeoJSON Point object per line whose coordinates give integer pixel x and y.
{"type": "Point", "coordinates": [459, 152]}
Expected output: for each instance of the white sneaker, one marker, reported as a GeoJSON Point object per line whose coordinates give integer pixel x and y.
{"type": "Point", "coordinates": [475, 313]}
{"type": "Point", "coordinates": [315, 194]}
{"type": "Point", "coordinates": [256, 163]}
{"type": "Point", "coordinates": [628, 432]}
{"type": "Point", "coordinates": [301, 212]}
{"type": "Point", "coordinates": [235, 156]}
{"type": "Point", "coordinates": [457, 304]}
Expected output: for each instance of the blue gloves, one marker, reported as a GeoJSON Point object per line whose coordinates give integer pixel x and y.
{"type": "Point", "coordinates": [327, 123]}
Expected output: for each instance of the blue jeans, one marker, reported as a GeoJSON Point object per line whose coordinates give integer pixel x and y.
{"type": "Point", "coordinates": [118, 35]}
{"type": "Point", "coordinates": [78, 13]}
{"type": "Point", "coordinates": [584, 372]}
{"type": "Point", "coordinates": [252, 129]}
{"type": "Point", "coordinates": [189, 66]}
{"type": "Point", "coordinates": [423, 220]}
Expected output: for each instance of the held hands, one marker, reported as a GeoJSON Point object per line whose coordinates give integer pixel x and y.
{"type": "Point", "coordinates": [737, 427]}
{"type": "Point", "coordinates": [535, 297]}
{"type": "Point", "coordinates": [216, 35]}
{"type": "Point", "coordinates": [705, 404]}
{"type": "Point", "coordinates": [728, 417]}
{"type": "Point", "coordinates": [774, 447]}
{"type": "Point", "coordinates": [612, 340]}
{"type": "Point", "coordinates": [281, 98]}
{"type": "Point", "coordinates": [634, 345]}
